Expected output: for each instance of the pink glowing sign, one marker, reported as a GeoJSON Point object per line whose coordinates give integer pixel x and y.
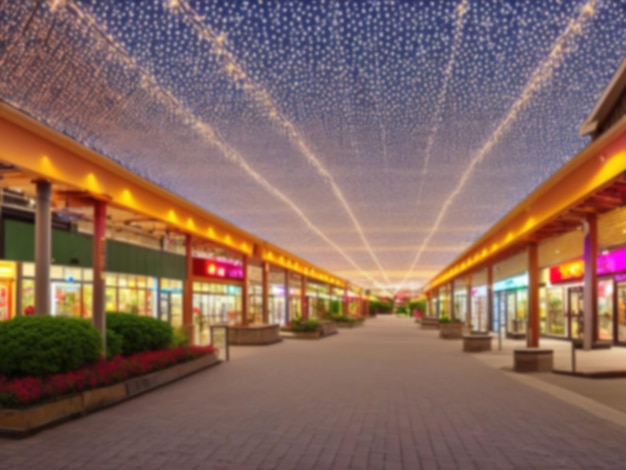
{"type": "Point", "coordinates": [612, 262]}
{"type": "Point", "coordinates": [608, 263]}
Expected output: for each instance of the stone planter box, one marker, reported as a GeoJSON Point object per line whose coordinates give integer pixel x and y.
{"type": "Point", "coordinates": [301, 334]}
{"type": "Point", "coordinates": [24, 422]}
{"type": "Point", "coordinates": [429, 323]}
{"type": "Point", "coordinates": [254, 335]}
{"type": "Point", "coordinates": [451, 330]}
{"type": "Point", "coordinates": [533, 360]}
{"type": "Point", "coordinates": [328, 327]}
{"type": "Point", "coordinates": [477, 343]}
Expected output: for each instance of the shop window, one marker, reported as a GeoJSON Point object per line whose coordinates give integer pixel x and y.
{"type": "Point", "coordinates": [87, 300]}
{"type": "Point", "coordinates": [621, 312]}
{"type": "Point", "coordinates": [28, 294]}
{"type": "Point", "coordinates": [110, 279]}
{"type": "Point", "coordinates": [555, 306]}
{"type": "Point", "coordinates": [605, 310]}
{"type": "Point", "coordinates": [28, 270]}
{"type": "Point", "coordinates": [56, 272]}
{"type": "Point", "coordinates": [111, 299]}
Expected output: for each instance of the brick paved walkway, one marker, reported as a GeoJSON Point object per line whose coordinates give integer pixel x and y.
{"type": "Point", "coordinates": [384, 396]}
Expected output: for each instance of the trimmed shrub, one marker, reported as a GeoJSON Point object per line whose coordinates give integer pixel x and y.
{"type": "Point", "coordinates": [139, 333]}
{"type": "Point", "coordinates": [180, 338]}
{"type": "Point", "coordinates": [298, 325]}
{"type": "Point", "coordinates": [114, 344]}
{"type": "Point", "coordinates": [43, 345]}
{"type": "Point", "coordinates": [344, 319]}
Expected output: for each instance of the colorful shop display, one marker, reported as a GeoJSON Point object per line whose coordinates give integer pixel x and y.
{"type": "Point", "coordinates": [510, 306]}
{"type": "Point", "coordinates": [563, 298]}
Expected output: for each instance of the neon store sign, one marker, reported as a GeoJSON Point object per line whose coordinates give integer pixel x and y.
{"type": "Point", "coordinates": [217, 269]}
{"type": "Point", "coordinates": [517, 282]}
{"type": "Point", "coordinates": [608, 263]}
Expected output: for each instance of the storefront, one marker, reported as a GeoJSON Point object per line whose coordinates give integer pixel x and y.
{"type": "Point", "coordinates": [217, 291]}
{"type": "Point", "coordinates": [510, 306]}
{"type": "Point", "coordinates": [295, 300]}
{"type": "Point", "coordinates": [564, 298]}
{"type": "Point", "coordinates": [318, 299]}
{"type": "Point", "coordinates": [7, 290]}
{"type": "Point", "coordinates": [255, 294]}
{"type": "Point", "coordinates": [444, 302]}
{"type": "Point", "coordinates": [354, 301]}
{"type": "Point", "coordinates": [171, 301]}
{"type": "Point", "coordinates": [71, 290]}
{"type": "Point", "coordinates": [460, 304]}
{"type": "Point", "coordinates": [129, 293]}
{"type": "Point", "coordinates": [480, 315]}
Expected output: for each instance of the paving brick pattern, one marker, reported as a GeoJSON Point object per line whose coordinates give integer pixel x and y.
{"type": "Point", "coordinates": [384, 396]}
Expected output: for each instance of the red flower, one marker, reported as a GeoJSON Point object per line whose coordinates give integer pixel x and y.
{"type": "Point", "coordinates": [23, 391]}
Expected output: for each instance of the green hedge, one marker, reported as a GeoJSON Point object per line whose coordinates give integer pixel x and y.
{"type": "Point", "coordinates": [139, 333]}
{"type": "Point", "coordinates": [42, 345]}
{"type": "Point", "coordinates": [342, 319]}
{"type": "Point", "coordinates": [114, 344]}
{"type": "Point", "coordinates": [298, 325]}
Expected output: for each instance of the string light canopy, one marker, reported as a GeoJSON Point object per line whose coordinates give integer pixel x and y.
{"type": "Point", "coordinates": [376, 139]}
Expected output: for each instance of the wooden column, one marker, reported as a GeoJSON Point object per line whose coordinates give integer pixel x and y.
{"type": "Point", "coordinates": [431, 312]}
{"type": "Point", "coordinates": [452, 313]}
{"type": "Point", "coordinates": [468, 303]}
{"type": "Point", "coordinates": [304, 308]}
{"type": "Point", "coordinates": [590, 288]}
{"type": "Point", "coordinates": [287, 298]}
{"type": "Point", "coordinates": [98, 316]}
{"type": "Point", "coordinates": [43, 248]}
{"type": "Point", "coordinates": [532, 336]}
{"type": "Point", "coordinates": [244, 291]}
{"type": "Point", "coordinates": [188, 291]}
{"type": "Point", "coordinates": [346, 300]}
{"type": "Point", "coordinates": [489, 297]}
{"type": "Point", "coordinates": [266, 292]}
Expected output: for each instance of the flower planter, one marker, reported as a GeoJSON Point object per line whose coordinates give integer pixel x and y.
{"type": "Point", "coordinates": [477, 343]}
{"type": "Point", "coordinates": [255, 335]}
{"type": "Point", "coordinates": [328, 328]}
{"type": "Point", "coordinates": [533, 360]}
{"type": "Point", "coordinates": [301, 334]}
{"type": "Point", "coordinates": [104, 396]}
{"type": "Point", "coordinates": [27, 421]}
{"type": "Point", "coordinates": [452, 330]}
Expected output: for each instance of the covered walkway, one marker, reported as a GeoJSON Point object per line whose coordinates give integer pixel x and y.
{"type": "Point", "coordinates": [384, 396]}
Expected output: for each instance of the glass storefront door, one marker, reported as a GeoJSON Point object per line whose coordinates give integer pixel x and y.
{"type": "Point", "coordinates": [201, 309]}
{"type": "Point", "coordinates": [460, 306]}
{"type": "Point", "coordinates": [605, 310]}
{"type": "Point", "coordinates": [555, 312]}
{"type": "Point", "coordinates": [575, 311]}
{"type": "Point", "coordinates": [277, 309]}
{"type": "Point", "coordinates": [621, 312]}
{"type": "Point", "coordinates": [172, 308]}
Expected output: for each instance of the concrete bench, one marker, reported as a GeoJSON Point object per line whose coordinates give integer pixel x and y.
{"type": "Point", "coordinates": [477, 343]}
{"type": "Point", "coordinates": [533, 360]}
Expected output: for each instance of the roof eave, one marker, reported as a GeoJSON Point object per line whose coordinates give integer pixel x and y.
{"type": "Point", "coordinates": [604, 105]}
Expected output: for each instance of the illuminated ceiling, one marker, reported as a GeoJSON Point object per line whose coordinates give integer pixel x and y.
{"type": "Point", "coordinates": [376, 139]}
